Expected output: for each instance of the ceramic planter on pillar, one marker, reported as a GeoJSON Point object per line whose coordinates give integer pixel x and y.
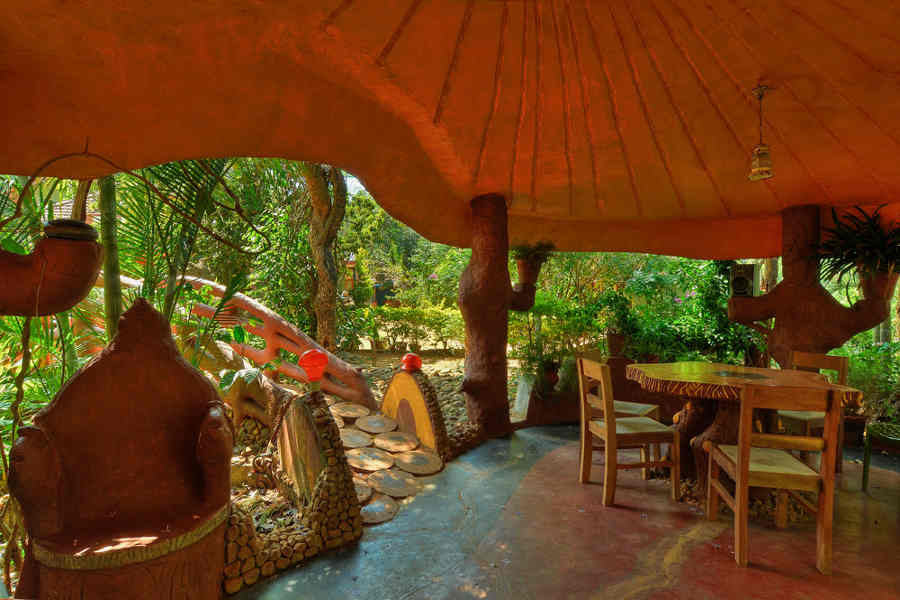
{"type": "Point", "coordinates": [878, 285]}
{"type": "Point", "coordinates": [528, 270]}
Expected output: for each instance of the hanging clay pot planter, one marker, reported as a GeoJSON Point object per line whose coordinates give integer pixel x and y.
{"type": "Point", "coordinates": [878, 285]}
{"type": "Point", "coordinates": [528, 270]}
{"type": "Point", "coordinates": [57, 275]}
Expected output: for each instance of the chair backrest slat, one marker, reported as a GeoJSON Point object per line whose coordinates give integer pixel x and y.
{"type": "Point", "coordinates": [589, 372]}
{"type": "Point", "coordinates": [791, 398]}
{"type": "Point", "coordinates": [787, 442]}
{"type": "Point", "coordinates": [812, 360]}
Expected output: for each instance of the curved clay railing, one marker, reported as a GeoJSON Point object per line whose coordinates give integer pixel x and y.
{"type": "Point", "coordinates": [56, 276]}
{"type": "Point", "coordinates": [343, 379]}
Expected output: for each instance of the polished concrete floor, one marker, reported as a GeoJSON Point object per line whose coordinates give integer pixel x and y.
{"type": "Point", "coordinates": [508, 520]}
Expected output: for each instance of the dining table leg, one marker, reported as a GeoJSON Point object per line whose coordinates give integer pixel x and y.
{"type": "Point", "coordinates": [695, 417]}
{"type": "Point", "coordinates": [722, 430]}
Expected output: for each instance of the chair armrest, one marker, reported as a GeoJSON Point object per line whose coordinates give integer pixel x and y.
{"type": "Point", "coordinates": [214, 445]}
{"type": "Point", "coordinates": [35, 480]}
{"type": "Point", "coordinates": [787, 442]}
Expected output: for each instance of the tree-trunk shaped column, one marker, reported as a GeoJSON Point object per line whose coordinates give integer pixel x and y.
{"type": "Point", "coordinates": [485, 298]}
{"type": "Point", "coordinates": [807, 317]}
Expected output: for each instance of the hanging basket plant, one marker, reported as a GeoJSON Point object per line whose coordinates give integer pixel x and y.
{"type": "Point", "coordinates": [861, 243]}
{"type": "Point", "coordinates": [529, 260]}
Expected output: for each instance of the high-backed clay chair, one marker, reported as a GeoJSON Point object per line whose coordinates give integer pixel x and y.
{"type": "Point", "coordinates": [124, 478]}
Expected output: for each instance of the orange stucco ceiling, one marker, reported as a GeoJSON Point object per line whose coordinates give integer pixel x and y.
{"type": "Point", "coordinates": [619, 125]}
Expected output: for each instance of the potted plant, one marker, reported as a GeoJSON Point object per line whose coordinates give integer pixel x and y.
{"type": "Point", "coordinates": [620, 322]}
{"type": "Point", "coordinates": [654, 339]}
{"type": "Point", "coordinates": [529, 260]}
{"type": "Point", "coordinates": [861, 243]}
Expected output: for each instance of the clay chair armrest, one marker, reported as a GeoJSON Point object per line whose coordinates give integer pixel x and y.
{"type": "Point", "coordinates": [215, 441]}
{"type": "Point", "coordinates": [35, 479]}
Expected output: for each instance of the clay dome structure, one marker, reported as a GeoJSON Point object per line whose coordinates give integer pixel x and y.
{"type": "Point", "coordinates": [583, 125]}
{"type": "Point", "coordinates": [615, 125]}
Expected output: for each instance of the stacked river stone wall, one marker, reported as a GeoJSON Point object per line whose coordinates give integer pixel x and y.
{"type": "Point", "coordinates": [331, 519]}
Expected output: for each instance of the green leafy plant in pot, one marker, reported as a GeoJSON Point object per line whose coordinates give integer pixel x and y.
{"type": "Point", "coordinates": [621, 323]}
{"type": "Point", "coordinates": [529, 260]}
{"type": "Point", "coordinates": [859, 242]}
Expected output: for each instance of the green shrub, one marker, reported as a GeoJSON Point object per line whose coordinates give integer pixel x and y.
{"type": "Point", "coordinates": [874, 370]}
{"type": "Point", "coordinates": [409, 328]}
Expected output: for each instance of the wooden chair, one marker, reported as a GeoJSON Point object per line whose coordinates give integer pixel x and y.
{"type": "Point", "coordinates": [625, 408]}
{"type": "Point", "coordinates": [760, 460]}
{"type": "Point", "coordinates": [618, 433]}
{"type": "Point", "coordinates": [806, 420]}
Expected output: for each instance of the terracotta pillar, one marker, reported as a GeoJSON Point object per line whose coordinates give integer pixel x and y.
{"type": "Point", "coordinates": [484, 299]}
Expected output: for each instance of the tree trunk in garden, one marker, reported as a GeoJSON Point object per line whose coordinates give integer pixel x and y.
{"type": "Point", "coordinates": [79, 206]}
{"type": "Point", "coordinates": [485, 298]}
{"type": "Point", "coordinates": [328, 197]}
{"type": "Point", "coordinates": [112, 289]}
{"type": "Point", "coordinates": [807, 317]}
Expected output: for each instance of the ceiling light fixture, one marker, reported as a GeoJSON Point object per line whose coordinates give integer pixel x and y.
{"type": "Point", "coordinates": [761, 160]}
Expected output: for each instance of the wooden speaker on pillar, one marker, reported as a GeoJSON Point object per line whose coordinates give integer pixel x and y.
{"type": "Point", "coordinates": [745, 280]}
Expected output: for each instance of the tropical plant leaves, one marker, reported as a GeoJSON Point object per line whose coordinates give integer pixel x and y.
{"type": "Point", "coordinates": [859, 241]}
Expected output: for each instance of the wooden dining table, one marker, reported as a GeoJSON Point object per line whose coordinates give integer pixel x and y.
{"type": "Point", "coordinates": [711, 394]}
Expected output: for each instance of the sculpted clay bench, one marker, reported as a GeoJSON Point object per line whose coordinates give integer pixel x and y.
{"type": "Point", "coordinates": [124, 478]}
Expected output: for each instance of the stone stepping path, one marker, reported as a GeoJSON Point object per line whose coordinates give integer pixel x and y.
{"type": "Point", "coordinates": [363, 492]}
{"type": "Point", "coordinates": [354, 438]}
{"type": "Point", "coordinates": [394, 483]}
{"type": "Point", "coordinates": [386, 472]}
{"type": "Point", "coordinates": [369, 459]}
{"type": "Point", "coordinates": [376, 424]}
{"type": "Point", "coordinates": [381, 508]}
{"type": "Point", "coordinates": [396, 441]}
{"type": "Point", "coordinates": [349, 410]}
{"type": "Point", "coordinates": [419, 462]}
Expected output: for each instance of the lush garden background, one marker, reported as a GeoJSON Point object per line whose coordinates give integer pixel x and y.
{"type": "Point", "coordinates": [248, 224]}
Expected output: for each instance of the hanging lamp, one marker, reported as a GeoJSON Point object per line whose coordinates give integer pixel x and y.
{"type": "Point", "coordinates": [761, 160]}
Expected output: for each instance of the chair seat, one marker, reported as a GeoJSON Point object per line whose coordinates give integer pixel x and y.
{"type": "Point", "coordinates": [774, 468]}
{"type": "Point", "coordinates": [634, 409]}
{"type": "Point", "coordinates": [628, 426]}
{"type": "Point", "coordinates": [803, 415]}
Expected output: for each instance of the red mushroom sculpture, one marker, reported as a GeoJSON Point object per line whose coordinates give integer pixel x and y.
{"type": "Point", "coordinates": [313, 363]}
{"type": "Point", "coordinates": [411, 363]}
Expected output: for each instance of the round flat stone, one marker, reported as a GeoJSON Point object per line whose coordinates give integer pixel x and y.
{"type": "Point", "coordinates": [382, 508]}
{"type": "Point", "coordinates": [338, 420]}
{"type": "Point", "coordinates": [419, 462]}
{"type": "Point", "coordinates": [394, 482]}
{"type": "Point", "coordinates": [363, 492]}
{"type": "Point", "coordinates": [369, 459]}
{"type": "Point", "coordinates": [354, 438]}
{"type": "Point", "coordinates": [349, 410]}
{"type": "Point", "coordinates": [376, 424]}
{"type": "Point", "coordinates": [396, 441]}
